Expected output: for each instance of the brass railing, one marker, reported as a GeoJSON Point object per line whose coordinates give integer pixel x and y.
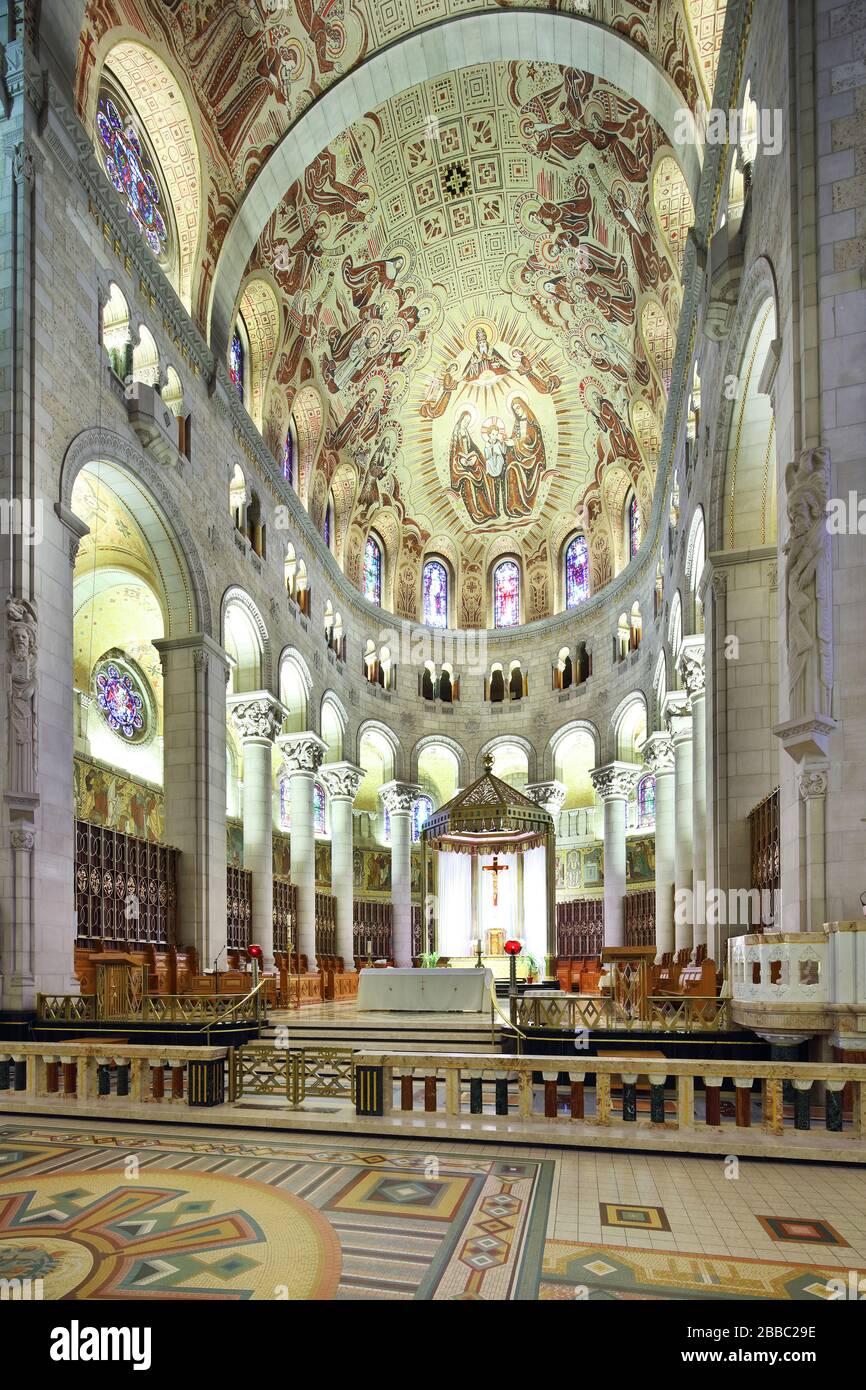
{"type": "Point", "coordinates": [206, 1009]}
{"type": "Point", "coordinates": [292, 1073]}
{"type": "Point", "coordinates": [65, 1008]}
{"type": "Point", "coordinates": [661, 1013]}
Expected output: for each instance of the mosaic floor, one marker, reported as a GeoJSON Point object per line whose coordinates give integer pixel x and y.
{"type": "Point", "coordinates": [140, 1212]}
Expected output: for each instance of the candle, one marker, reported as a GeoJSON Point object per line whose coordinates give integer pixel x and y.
{"type": "Point", "coordinates": [369, 946]}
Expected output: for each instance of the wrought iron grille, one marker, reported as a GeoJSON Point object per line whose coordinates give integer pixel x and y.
{"type": "Point", "coordinates": [285, 914]}
{"type": "Point", "coordinates": [239, 907]}
{"type": "Point", "coordinates": [640, 918]}
{"type": "Point", "coordinates": [764, 842]}
{"type": "Point", "coordinates": [373, 922]}
{"type": "Point", "coordinates": [125, 889]}
{"type": "Point", "coordinates": [580, 927]}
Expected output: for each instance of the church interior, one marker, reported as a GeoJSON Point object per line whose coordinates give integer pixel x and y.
{"type": "Point", "coordinates": [434, 759]}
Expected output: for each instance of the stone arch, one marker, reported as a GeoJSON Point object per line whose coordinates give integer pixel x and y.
{"type": "Point", "coordinates": [236, 597]}
{"type": "Point", "coordinates": [501, 739]}
{"type": "Point", "coordinates": [433, 740]}
{"type": "Point", "coordinates": [333, 706]}
{"type": "Point", "coordinates": [295, 690]}
{"type": "Point", "coordinates": [624, 725]}
{"type": "Point", "coordinates": [140, 485]}
{"type": "Point", "coordinates": [696, 555]}
{"type": "Point", "coordinates": [310, 417]}
{"type": "Point", "coordinates": [260, 309]}
{"type": "Point", "coordinates": [758, 285]}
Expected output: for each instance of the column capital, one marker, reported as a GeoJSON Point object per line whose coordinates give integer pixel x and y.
{"type": "Point", "coordinates": [691, 664]}
{"type": "Point", "coordinates": [677, 714]}
{"type": "Point", "coordinates": [615, 781]}
{"type": "Point", "coordinates": [398, 798]}
{"type": "Point", "coordinates": [658, 753]}
{"type": "Point", "coordinates": [341, 780]}
{"type": "Point", "coordinates": [203, 648]}
{"type": "Point", "coordinates": [257, 715]}
{"type": "Point", "coordinates": [302, 752]}
{"type": "Point", "coordinates": [812, 783]}
{"type": "Point", "coordinates": [548, 795]}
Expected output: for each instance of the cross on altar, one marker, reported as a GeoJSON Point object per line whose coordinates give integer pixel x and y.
{"type": "Point", "coordinates": [495, 869]}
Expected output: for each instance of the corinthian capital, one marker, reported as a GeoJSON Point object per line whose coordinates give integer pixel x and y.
{"type": "Point", "coordinates": [692, 665]}
{"type": "Point", "coordinates": [812, 783]}
{"type": "Point", "coordinates": [548, 795]}
{"type": "Point", "coordinates": [257, 716]}
{"type": "Point", "coordinates": [658, 753]}
{"type": "Point", "coordinates": [302, 752]}
{"type": "Point", "coordinates": [399, 797]}
{"type": "Point", "coordinates": [677, 714]}
{"type": "Point", "coordinates": [342, 780]}
{"type": "Point", "coordinates": [615, 781]}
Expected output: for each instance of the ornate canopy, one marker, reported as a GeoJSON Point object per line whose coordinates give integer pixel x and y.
{"type": "Point", "coordinates": [488, 815]}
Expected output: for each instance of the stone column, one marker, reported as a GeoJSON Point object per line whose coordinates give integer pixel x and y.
{"type": "Point", "coordinates": [614, 783]}
{"type": "Point", "coordinates": [258, 718]}
{"type": "Point", "coordinates": [678, 718]}
{"type": "Point", "coordinates": [398, 799]}
{"type": "Point", "coordinates": [692, 669]}
{"type": "Point", "coordinates": [341, 782]}
{"type": "Point", "coordinates": [550, 796]}
{"type": "Point", "coordinates": [302, 757]}
{"type": "Point", "coordinates": [812, 783]}
{"type": "Point", "coordinates": [658, 752]}
{"type": "Point", "coordinates": [195, 669]}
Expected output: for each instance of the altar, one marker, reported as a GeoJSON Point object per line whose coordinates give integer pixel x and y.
{"type": "Point", "coordinates": [424, 991]}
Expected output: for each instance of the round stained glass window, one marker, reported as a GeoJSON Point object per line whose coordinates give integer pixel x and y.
{"type": "Point", "coordinates": [126, 167]}
{"type": "Point", "coordinates": [124, 698]}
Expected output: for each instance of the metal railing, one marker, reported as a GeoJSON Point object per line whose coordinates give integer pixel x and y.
{"type": "Point", "coordinates": [291, 1073]}
{"type": "Point", "coordinates": [660, 1013]}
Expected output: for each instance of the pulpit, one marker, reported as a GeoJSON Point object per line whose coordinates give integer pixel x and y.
{"type": "Point", "coordinates": [121, 984]}
{"type": "Point", "coordinates": [630, 974]}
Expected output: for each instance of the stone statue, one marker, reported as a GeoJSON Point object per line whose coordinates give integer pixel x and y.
{"type": "Point", "coordinates": [807, 586]}
{"type": "Point", "coordinates": [21, 630]}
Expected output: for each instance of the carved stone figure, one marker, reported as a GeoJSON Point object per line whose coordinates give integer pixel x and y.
{"type": "Point", "coordinates": [807, 586]}
{"type": "Point", "coordinates": [23, 746]}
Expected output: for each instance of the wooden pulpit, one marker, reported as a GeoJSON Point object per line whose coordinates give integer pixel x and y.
{"type": "Point", "coordinates": [121, 984]}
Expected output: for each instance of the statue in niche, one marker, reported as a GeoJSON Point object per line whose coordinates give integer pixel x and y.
{"type": "Point", "coordinates": [22, 630]}
{"type": "Point", "coordinates": [807, 586]}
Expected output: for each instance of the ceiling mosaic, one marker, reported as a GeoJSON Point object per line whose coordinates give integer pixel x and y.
{"type": "Point", "coordinates": [478, 277]}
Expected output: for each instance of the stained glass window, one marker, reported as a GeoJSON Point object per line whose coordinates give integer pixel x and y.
{"type": "Point", "coordinates": [633, 527]}
{"type": "Point", "coordinates": [126, 165]}
{"type": "Point", "coordinates": [421, 812]}
{"type": "Point", "coordinates": [285, 804]}
{"type": "Point", "coordinates": [372, 571]}
{"type": "Point", "coordinates": [236, 363]}
{"type": "Point", "coordinates": [328, 524]}
{"type": "Point", "coordinates": [289, 457]}
{"type": "Point", "coordinates": [576, 572]}
{"type": "Point", "coordinates": [646, 801]}
{"type": "Point", "coordinates": [122, 705]}
{"type": "Point", "coordinates": [318, 808]}
{"type": "Point", "coordinates": [434, 594]}
{"type": "Point", "coordinates": [506, 594]}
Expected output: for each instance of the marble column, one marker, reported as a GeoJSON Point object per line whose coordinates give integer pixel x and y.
{"type": "Point", "coordinates": [195, 669]}
{"type": "Point", "coordinates": [398, 799]}
{"type": "Point", "coordinates": [258, 718]}
{"type": "Point", "coordinates": [614, 783]}
{"type": "Point", "coordinates": [692, 670]}
{"type": "Point", "coordinates": [341, 781]}
{"type": "Point", "coordinates": [302, 758]}
{"type": "Point", "coordinates": [658, 752]}
{"type": "Point", "coordinates": [812, 786]}
{"type": "Point", "coordinates": [549, 796]}
{"type": "Point", "coordinates": [678, 718]}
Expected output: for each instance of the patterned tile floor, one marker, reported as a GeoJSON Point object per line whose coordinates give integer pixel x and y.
{"type": "Point", "coordinates": [151, 1211]}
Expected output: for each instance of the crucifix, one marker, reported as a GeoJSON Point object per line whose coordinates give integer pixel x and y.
{"type": "Point", "coordinates": [495, 869]}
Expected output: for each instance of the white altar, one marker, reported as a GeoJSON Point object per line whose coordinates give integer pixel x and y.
{"type": "Point", "coordinates": [424, 991]}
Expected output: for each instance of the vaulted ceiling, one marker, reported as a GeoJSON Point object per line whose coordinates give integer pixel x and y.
{"type": "Point", "coordinates": [479, 275]}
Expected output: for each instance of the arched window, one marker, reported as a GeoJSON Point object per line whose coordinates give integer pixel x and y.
{"type": "Point", "coordinates": [633, 521]}
{"type": "Point", "coordinates": [506, 594]}
{"type": "Point", "coordinates": [289, 457]}
{"type": "Point", "coordinates": [421, 812]}
{"type": "Point", "coordinates": [646, 801]}
{"type": "Point", "coordinates": [576, 572]}
{"type": "Point", "coordinates": [318, 809]}
{"type": "Point", "coordinates": [133, 170]}
{"type": "Point", "coordinates": [434, 594]}
{"type": "Point", "coordinates": [328, 523]}
{"type": "Point", "coordinates": [373, 571]}
{"type": "Point", "coordinates": [236, 362]}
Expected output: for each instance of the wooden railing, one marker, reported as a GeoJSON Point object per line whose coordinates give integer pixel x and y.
{"type": "Point", "coordinates": [125, 889]}
{"type": "Point", "coordinates": [373, 923]}
{"type": "Point", "coordinates": [239, 907]}
{"type": "Point", "coordinates": [639, 916]}
{"type": "Point", "coordinates": [588, 1094]}
{"type": "Point", "coordinates": [580, 927]}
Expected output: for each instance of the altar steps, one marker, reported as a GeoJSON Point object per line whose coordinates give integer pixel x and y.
{"type": "Point", "coordinates": [395, 1036]}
